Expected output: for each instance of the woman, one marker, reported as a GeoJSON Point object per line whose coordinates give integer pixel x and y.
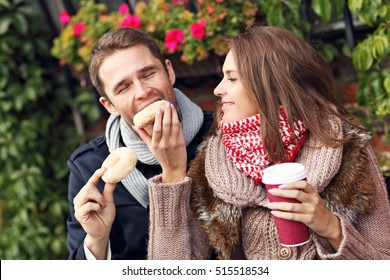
{"type": "Point", "coordinates": [278, 104]}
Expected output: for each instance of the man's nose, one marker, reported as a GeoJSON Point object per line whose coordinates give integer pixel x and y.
{"type": "Point", "coordinates": [142, 90]}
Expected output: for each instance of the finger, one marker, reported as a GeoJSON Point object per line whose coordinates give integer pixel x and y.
{"type": "Point", "coordinates": [143, 134]}
{"type": "Point", "coordinates": [157, 128]}
{"type": "Point", "coordinates": [177, 130]}
{"type": "Point", "coordinates": [292, 193]}
{"type": "Point", "coordinates": [108, 191]}
{"type": "Point", "coordinates": [96, 176]}
{"type": "Point", "coordinates": [167, 122]}
{"type": "Point", "coordinates": [89, 191]}
{"type": "Point", "coordinates": [82, 214]}
{"type": "Point", "coordinates": [287, 207]}
{"type": "Point", "coordinates": [299, 185]}
{"type": "Point", "coordinates": [298, 217]}
{"type": "Point", "coordinates": [92, 195]}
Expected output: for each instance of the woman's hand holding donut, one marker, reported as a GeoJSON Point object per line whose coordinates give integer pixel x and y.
{"type": "Point", "coordinates": [167, 144]}
{"type": "Point", "coordinates": [95, 212]}
{"type": "Point", "coordinates": [311, 211]}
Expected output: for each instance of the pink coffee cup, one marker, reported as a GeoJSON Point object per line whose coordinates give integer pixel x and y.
{"type": "Point", "coordinates": [291, 233]}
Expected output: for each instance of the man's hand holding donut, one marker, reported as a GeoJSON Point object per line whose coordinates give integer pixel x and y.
{"type": "Point", "coordinates": [167, 143]}
{"type": "Point", "coordinates": [95, 212]}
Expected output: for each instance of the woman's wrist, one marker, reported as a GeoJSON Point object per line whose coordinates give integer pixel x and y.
{"type": "Point", "coordinates": [173, 176]}
{"type": "Point", "coordinates": [334, 232]}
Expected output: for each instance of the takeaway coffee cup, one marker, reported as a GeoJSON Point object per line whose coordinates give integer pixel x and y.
{"type": "Point", "coordinates": [291, 233]}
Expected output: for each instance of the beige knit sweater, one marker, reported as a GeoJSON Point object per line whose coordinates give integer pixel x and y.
{"type": "Point", "coordinates": [177, 231]}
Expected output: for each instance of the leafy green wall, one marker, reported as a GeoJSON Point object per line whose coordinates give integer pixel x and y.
{"type": "Point", "coordinates": [36, 137]}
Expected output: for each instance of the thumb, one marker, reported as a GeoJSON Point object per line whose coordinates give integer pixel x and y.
{"type": "Point", "coordinates": [108, 191]}
{"type": "Point", "coordinates": [143, 134]}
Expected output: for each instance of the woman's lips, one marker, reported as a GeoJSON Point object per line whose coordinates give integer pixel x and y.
{"type": "Point", "coordinates": [227, 104]}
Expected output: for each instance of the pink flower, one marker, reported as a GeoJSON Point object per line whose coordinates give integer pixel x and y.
{"type": "Point", "coordinates": [219, 1]}
{"type": "Point", "coordinates": [123, 9]}
{"type": "Point", "coordinates": [64, 17]}
{"type": "Point", "coordinates": [78, 28]}
{"type": "Point", "coordinates": [198, 30]}
{"type": "Point", "coordinates": [130, 21]}
{"type": "Point", "coordinates": [173, 38]}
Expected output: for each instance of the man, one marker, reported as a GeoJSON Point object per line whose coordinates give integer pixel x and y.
{"type": "Point", "coordinates": [109, 221]}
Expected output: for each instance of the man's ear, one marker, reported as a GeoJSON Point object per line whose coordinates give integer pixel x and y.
{"type": "Point", "coordinates": [171, 72]}
{"type": "Point", "coordinates": [109, 106]}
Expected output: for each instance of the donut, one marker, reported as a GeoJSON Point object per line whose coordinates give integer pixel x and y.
{"type": "Point", "coordinates": [119, 164]}
{"type": "Point", "coordinates": [147, 115]}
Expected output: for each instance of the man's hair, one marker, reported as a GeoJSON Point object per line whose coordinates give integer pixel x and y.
{"type": "Point", "coordinates": [119, 39]}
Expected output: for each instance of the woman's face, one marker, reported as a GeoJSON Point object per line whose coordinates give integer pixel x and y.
{"type": "Point", "coordinates": [236, 102]}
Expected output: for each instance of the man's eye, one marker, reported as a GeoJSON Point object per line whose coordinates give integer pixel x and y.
{"type": "Point", "coordinates": [149, 75]}
{"type": "Point", "coordinates": [123, 89]}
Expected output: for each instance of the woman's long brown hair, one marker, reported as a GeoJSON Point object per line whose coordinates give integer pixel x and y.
{"type": "Point", "coordinates": [279, 69]}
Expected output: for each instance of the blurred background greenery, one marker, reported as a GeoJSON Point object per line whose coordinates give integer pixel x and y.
{"type": "Point", "coordinates": [48, 107]}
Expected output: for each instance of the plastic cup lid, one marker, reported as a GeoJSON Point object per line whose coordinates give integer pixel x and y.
{"type": "Point", "coordinates": [284, 173]}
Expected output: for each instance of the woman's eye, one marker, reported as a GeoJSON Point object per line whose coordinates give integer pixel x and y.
{"type": "Point", "coordinates": [231, 79]}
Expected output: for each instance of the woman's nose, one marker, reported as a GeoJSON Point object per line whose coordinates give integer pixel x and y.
{"type": "Point", "coordinates": [219, 90]}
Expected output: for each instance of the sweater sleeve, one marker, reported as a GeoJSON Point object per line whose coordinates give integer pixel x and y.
{"type": "Point", "coordinates": [370, 237]}
{"type": "Point", "coordinates": [174, 231]}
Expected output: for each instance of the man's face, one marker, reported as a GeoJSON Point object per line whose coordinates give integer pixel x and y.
{"type": "Point", "coordinates": [133, 79]}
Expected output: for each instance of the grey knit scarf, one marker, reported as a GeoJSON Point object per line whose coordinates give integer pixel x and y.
{"type": "Point", "coordinates": [191, 117]}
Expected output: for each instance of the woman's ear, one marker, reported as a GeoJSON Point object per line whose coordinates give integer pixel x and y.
{"type": "Point", "coordinates": [108, 105]}
{"type": "Point", "coordinates": [171, 72]}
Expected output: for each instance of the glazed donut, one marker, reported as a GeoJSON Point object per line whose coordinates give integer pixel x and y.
{"type": "Point", "coordinates": [119, 164]}
{"type": "Point", "coordinates": [147, 115]}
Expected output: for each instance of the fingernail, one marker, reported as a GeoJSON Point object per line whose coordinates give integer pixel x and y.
{"type": "Point", "coordinates": [283, 186]}
{"type": "Point", "coordinates": [172, 106]}
{"type": "Point", "coordinates": [159, 111]}
{"type": "Point", "coordinates": [168, 104]}
{"type": "Point", "coordinates": [273, 212]}
{"type": "Point", "coordinates": [271, 191]}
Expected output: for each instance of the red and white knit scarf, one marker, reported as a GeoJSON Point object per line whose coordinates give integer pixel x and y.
{"type": "Point", "coordinates": [242, 140]}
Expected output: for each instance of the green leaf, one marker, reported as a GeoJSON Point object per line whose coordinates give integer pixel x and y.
{"type": "Point", "coordinates": [5, 22]}
{"type": "Point", "coordinates": [386, 84]}
{"type": "Point", "coordinates": [383, 11]}
{"type": "Point", "coordinates": [362, 58]}
{"type": "Point", "coordinates": [294, 7]}
{"type": "Point", "coordinates": [275, 14]}
{"type": "Point", "coordinates": [323, 8]}
{"type": "Point", "coordinates": [20, 24]}
{"type": "Point", "coordinates": [346, 49]}
{"type": "Point", "coordinates": [328, 52]}
{"type": "Point", "coordinates": [30, 93]}
{"type": "Point", "coordinates": [355, 5]}
{"type": "Point", "coordinates": [3, 82]}
{"type": "Point", "coordinates": [338, 8]}
{"type": "Point", "coordinates": [378, 46]}
{"type": "Point", "coordinates": [6, 4]}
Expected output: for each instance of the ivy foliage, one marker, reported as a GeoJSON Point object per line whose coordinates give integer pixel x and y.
{"type": "Point", "coordinates": [36, 137]}
{"type": "Point", "coordinates": [371, 56]}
